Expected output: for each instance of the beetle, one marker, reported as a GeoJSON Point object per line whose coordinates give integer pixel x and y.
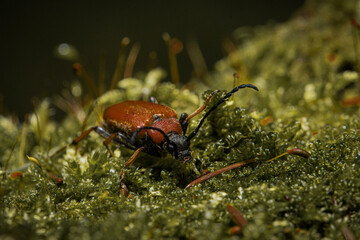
{"type": "Point", "coordinates": [151, 128]}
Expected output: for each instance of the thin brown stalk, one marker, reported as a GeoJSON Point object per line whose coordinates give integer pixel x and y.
{"type": "Point", "coordinates": [130, 62]}
{"type": "Point", "coordinates": [118, 74]}
{"type": "Point", "coordinates": [238, 217]}
{"type": "Point", "coordinates": [219, 171]}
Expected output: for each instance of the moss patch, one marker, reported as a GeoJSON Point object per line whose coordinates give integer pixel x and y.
{"type": "Point", "coordinates": [304, 69]}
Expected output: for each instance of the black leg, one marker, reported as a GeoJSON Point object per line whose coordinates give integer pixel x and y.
{"type": "Point", "coordinates": [119, 138]}
{"type": "Point", "coordinates": [184, 124]}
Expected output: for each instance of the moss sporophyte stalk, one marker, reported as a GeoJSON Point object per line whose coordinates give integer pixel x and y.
{"type": "Point", "coordinates": [306, 75]}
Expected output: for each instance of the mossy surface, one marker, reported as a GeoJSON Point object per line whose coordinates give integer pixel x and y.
{"type": "Point", "coordinates": [303, 68]}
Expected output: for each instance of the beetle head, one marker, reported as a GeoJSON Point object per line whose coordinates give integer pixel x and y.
{"type": "Point", "coordinates": [179, 147]}
{"type": "Point", "coordinates": [175, 143]}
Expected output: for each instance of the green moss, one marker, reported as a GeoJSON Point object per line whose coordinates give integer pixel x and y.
{"type": "Point", "coordinates": [291, 197]}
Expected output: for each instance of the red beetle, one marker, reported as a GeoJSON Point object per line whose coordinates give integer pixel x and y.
{"type": "Point", "coordinates": [151, 128]}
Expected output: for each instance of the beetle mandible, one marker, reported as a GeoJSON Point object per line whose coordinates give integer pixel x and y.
{"type": "Point", "coordinates": [151, 128]}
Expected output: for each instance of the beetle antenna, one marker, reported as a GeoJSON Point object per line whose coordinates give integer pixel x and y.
{"type": "Point", "coordinates": [222, 100]}
{"type": "Point", "coordinates": [152, 128]}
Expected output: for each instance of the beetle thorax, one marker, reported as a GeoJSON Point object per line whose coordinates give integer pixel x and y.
{"type": "Point", "coordinates": [167, 125]}
{"type": "Point", "coordinates": [177, 144]}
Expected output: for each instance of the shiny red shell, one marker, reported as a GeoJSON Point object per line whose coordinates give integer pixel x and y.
{"type": "Point", "coordinates": [128, 116]}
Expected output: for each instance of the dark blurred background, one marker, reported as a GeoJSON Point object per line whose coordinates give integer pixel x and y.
{"type": "Point", "coordinates": [30, 31]}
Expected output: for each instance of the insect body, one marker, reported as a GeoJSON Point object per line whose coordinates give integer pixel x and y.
{"type": "Point", "coordinates": [156, 127]}
{"type": "Point", "coordinates": [151, 127]}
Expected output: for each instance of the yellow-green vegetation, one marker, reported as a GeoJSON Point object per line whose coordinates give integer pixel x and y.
{"type": "Point", "coordinates": [304, 69]}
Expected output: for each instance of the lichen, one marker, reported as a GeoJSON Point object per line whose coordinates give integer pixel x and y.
{"type": "Point", "coordinates": [303, 69]}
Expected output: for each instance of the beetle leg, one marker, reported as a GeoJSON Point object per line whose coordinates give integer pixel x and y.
{"type": "Point", "coordinates": [108, 140]}
{"type": "Point", "coordinates": [99, 130]}
{"type": "Point", "coordinates": [199, 110]}
{"type": "Point", "coordinates": [82, 136]}
{"type": "Point", "coordinates": [75, 141]}
{"type": "Point", "coordinates": [124, 140]}
{"type": "Point", "coordinates": [120, 138]}
{"type": "Point", "coordinates": [129, 162]}
{"type": "Point", "coordinates": [183, 124]}
{"type": "Point", "coordinates": [102, 132]}
{"type": "Point", "coordinates": [153, 100]}
{"type": "Point", "coordinates": [183, 117]}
